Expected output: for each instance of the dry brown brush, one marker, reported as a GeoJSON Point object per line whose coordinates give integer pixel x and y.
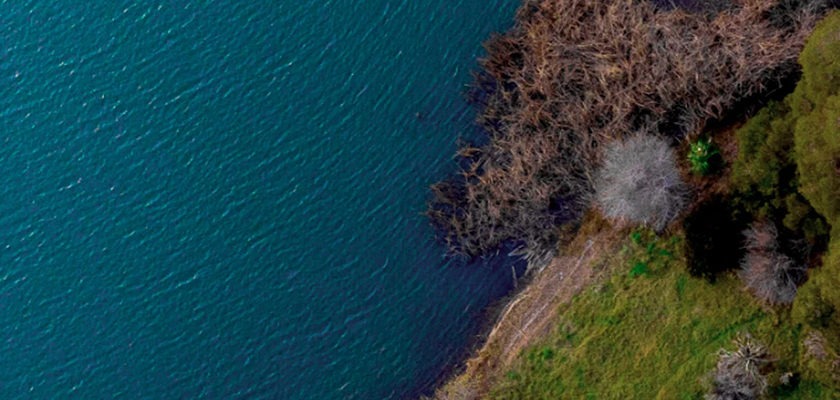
{"type": "Point", "coordinates": [575, 74]}
{"type": "Point", "coordinates": [765, 270]}
{"type": "Point", "coordinates": [739, 374]}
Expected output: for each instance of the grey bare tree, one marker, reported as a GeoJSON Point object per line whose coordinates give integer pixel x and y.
{"type": "Point", "coordinates": [765, 269]}
{"type": "Point", "coordinates": [639, 182]}
{"type": "Point", "coordinates": [738, 374]}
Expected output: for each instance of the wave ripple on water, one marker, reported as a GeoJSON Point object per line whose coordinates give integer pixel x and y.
{"type": "Point", "coordinates": [222, 199]}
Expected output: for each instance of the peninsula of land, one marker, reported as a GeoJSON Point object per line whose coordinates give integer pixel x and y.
{"type": "Point", "coordinates": [672, 176]}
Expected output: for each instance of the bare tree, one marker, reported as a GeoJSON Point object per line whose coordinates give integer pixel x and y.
{"type": "Point", "coordinates": [738, 375]}
{"type": "Point", "coordinates": [639, 182]}
{"type": "Point", "coordinates": [815, 345]}
{"type": "Point", "coordinates": [770, 274]}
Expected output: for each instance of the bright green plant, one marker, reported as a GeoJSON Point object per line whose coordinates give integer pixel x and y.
{"type": "Point", "coordinates": [701, 156]}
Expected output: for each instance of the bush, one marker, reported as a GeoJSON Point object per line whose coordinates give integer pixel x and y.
{"type": "Point", "coordinates": [816, 103]}
{"type": "Point", "coordinates": [712, 238]}
{"type": "Point", "coordinates": [820, 70]}
{"type": "Point", "coordinates": [811, 308]}
{"type": "Point", "coordinates": [639, 182]}
{"type": "Point", "coordinates": [764, 175]}
{"type": "Point", "coordinates": [703, 157]}
{"type": "Point", "coordinates": [770, 274]}
{"type": "Point", "coordinates": [818, 158]}
{"type": "Point", "coordinates": [738, 375]}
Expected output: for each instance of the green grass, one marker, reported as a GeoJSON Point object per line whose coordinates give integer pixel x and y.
{"type": "Point", "coordinates": [651, 336]}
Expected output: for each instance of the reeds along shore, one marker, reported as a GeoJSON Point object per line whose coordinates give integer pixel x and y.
{"type": "Point", "coordinates": [573, 75]}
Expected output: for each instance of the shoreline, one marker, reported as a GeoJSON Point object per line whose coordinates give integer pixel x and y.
{"type": "Point", "coordinates": [522, 319]}
{"type": "Point", "coordinates": [541, 174]}
{"type": "Point", "coordinates": [484, 321]}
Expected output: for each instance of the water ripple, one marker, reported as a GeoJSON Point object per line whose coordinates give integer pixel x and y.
{"type": "Point", "coordinates": [222, 199]}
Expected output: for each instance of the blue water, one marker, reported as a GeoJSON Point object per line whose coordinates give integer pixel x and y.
{"type": "Point", "coordinates": [221, 199]}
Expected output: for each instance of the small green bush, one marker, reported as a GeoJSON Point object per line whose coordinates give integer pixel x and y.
{"type": "Point", "coordinates": [639, 269]}
{"type": "Point", "coordinates": [811, 308]}
{"type": "Point", "coordinates": [703, 156]}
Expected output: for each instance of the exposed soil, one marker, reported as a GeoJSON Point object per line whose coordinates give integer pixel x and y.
{"type": "Point", "coordinates": [531, 313]}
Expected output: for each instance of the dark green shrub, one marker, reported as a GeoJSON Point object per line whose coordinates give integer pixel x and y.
{"type": "Point", "coordinates": [829, 277]}
{"type": "Point", "coordinates": [764, 175]}
{"type": "Point", "coordinates": [818, 157]}
{"type": "Point", "coordinates": [816, 104]}
{"type": "Point", "coordinates": [761, 173]}
{"type": "Point", "coordinates": [820, 69]}
{"type": "Point", "coordinates": [811, 308]}
{"type": "Point", "coordinates": [713, 241]}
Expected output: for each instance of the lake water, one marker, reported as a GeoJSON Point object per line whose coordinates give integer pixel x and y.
{"type": "Point", "coordinates": [222, 199]}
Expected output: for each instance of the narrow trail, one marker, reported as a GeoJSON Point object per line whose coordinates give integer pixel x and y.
{"type": "Point", "coordinates": [531, 314]}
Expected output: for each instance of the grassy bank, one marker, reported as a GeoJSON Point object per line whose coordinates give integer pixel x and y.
{"type": "Point", "coordinates": [652, 331]}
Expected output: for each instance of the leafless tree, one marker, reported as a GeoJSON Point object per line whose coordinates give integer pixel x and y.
{"type": "Point", "coordinates": [770, 274]}
{"type": "Point", "coordinates": [815, 345]}
{"type": "Point", "coordinates": [738, 375]}
{"type": "Point", "coordinates": [639, 182]}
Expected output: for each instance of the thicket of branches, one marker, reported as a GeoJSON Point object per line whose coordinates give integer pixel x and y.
{"type": "Point", "coordinates": [573, 75]}
{"type": "Point", "coordinates": [738, 374]}
{"type": "Point", "coordinates": [769, 273]}
{"type": "Point", "coordinates": [639, 182]}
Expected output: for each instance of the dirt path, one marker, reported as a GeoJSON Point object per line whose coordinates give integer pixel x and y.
{"type": "Point", "coordinates": [531, 313]}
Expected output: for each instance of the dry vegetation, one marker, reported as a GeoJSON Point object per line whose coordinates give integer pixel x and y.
{"type": "Point", "coordinates": [738, 375]}
{"type": "Point", "coordinates": [769, 273]}
{"type": "Point", "coordinates": [639, 182]}
{"type": "Point", "coordinates": [573, 75]}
